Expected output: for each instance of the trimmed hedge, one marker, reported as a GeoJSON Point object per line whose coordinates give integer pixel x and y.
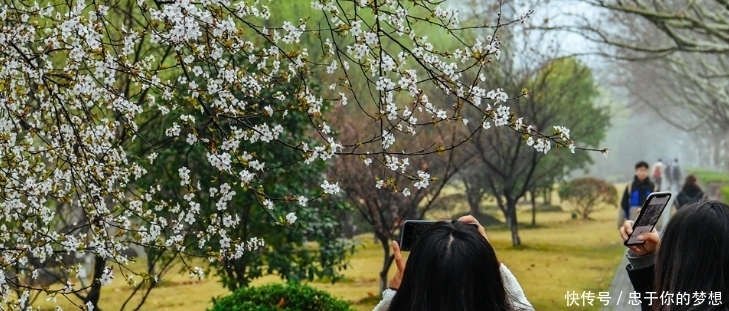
{"type": "Point", "coordinates": [709, 176]}
{"type": "Point", "coordinates": [278, 297]}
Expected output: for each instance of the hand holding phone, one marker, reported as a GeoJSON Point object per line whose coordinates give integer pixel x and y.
{"type": "Point", "coordinates": [649, 214]}
{"type": "Point", "coordinates": [650, 240]}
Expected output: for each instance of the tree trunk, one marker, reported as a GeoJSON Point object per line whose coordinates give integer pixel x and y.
{"type": "Point", "coordinates": [473, 196]}
{"type": "Point", "coordinates": [387, 262]}
{"type": "Point", "coordinates": [549, 195]}
{"type": "Point", "coordinates": [348, 227]}
{"type": "Point", "coordinates": [474, 207]}
{"type": "Point", "coordinates": [534, 208]}
{"type": "Point", "coordinates": [95, 291]}
{"type": "Point", "coordinates": [151, 267]}
{"type": "Point", "coordinates": [514, 224]}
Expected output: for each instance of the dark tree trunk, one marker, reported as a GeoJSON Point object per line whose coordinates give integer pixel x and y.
{"type": "Point", "coordinates": [513, 223]}
{"type": "Point", "coordinates": [474, 206]}
{"type": "Point", "coordinates": [474, 194]}
{"type": "Point", "coordinates": [348, 227]}
{"type": "Point", "coordinates": [532, 194]}
{"type": "Point", "coordinates": [95, 291]}
{"type": "Point", "coordinates": [547, 195]}
{"type": "Point", "coordinates": [151, 266]}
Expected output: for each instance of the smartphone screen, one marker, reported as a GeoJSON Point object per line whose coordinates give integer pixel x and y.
{"type": "Point", "coordinates": [649, 215]}
{"type": "Point", "coordinates": [411, 231]}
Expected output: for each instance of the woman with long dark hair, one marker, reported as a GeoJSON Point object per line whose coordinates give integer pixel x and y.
{"type": "Point", "coordinates": [452, 267]}
{"type": "Point", "coordinates": [690, 192]}
{"type": "Point", "coordinates": [689, 268]}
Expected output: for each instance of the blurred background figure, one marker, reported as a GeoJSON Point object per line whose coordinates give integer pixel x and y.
{"type": "Point", "coordinates": [674, 175]}
{"type": "Point", "coordinates": [657, 173]}
{"type": "Point", "coordinates": [690, 193]}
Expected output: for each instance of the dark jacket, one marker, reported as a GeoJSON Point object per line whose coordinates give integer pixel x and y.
{"type": "Point", "coordinates": [674, 173]}
{"type": "Point", "coordinates": [689, 196]}
{"type": "Point", "coordinates": [641, 272]}
{"type": "Point", "coordinates": [642, 280]}
{"type": "Point", "coordinates": [639, 191]}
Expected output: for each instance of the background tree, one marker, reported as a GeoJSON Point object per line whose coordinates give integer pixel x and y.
{"type": "Point", "coordinates": [387, 205]}
{"type": "Point", "coordinates": [475, 191]}
{"type": "Point", "coordinates": [586, 195]}
{"type": "Point", "coordinates": [246, 216]}
{"type": "Point", "coordinates": [510, 170]}
{"type": "Point", "coordinates": [695, 27]}
{"type": "Point", "coordinates": [680, 42]}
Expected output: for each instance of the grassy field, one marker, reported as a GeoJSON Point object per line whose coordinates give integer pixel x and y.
{"type": "Point", "coordinates": [558, 255]}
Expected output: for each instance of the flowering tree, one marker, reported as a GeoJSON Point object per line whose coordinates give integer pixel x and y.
{"type": "Point", "coordinates": [286, 254]}
{"type": "Point", "coordinates": [83, 81]}
{"type": "Point", "coordinates": [561, 91]}
{"type": "Point", "coordinates": [385, 207]}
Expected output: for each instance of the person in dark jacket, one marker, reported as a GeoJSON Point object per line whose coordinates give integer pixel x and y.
{"type": "Point", "coordinates": [690, 192]}
{"type": "Point", "coordinates": [688, 269]}
{"type": "Point", "coordinates": [635, 193]}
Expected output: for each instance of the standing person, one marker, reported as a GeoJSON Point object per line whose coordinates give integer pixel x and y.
{"type": "Point", "coordinates": [689, 262]}
{"type": "Point", "coordinates": [452, 266]}
{"type": "Point", "coordinates": [676, 174]}
{"type": "Point", "coordinates": [668, 172]}
{"type": "Point", "coordinates": [690, 193]}
{"type": "Point", "coordinates": [658, 172]}
{"type": "Point", "coordinates": [635, 193]}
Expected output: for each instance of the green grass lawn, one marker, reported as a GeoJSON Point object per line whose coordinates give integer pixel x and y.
{"type": "Point", "coordinates": [558, 255]}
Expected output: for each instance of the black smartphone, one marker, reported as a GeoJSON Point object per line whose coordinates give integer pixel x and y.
{"type": "Point", "coordinates": [649, 214]}
{"type": "Point", "coordinates": [412, 230]}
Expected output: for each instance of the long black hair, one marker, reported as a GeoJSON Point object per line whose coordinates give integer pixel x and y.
{"type": "Point", "coordinates": [693, 255]}
{"type": "Point", "coordinates": [451, 267]}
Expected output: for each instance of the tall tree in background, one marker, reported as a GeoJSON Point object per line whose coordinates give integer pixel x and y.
{"type": "Point", "coordinates": [509, 169]}
{"type": "Point", "coordinates": [695, 27]}
{"type": "Point", "coordinates": [683, 43]}
{"type": "Point", "coordinates": [386, 205]}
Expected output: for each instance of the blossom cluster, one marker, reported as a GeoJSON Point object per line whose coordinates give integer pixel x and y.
{"type": "Point", "coordinates": [79, 85]}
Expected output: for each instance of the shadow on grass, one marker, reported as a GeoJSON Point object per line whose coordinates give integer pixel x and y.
{"type": "Point", "coordinates": [370, 300]}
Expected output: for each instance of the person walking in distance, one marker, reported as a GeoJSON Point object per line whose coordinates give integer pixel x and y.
{"type": "Point", "coordinates": [675, 174]}
{"type": "Point", "coordinates": [658, 172]}
{"type": "Point", "coordinates": [686, 268]}
{"type": "Point", "coordinates": [690, 193]}
{"type": "Point", "coordinates": [670, 183]}
{"type": "Point", "coordinates": [635, 193]}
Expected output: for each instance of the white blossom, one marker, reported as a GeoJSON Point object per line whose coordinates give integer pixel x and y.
{"type": "Point", "coordinates": [423, 180]}
{"type": "Point", "coordinates": [198, 273]}
{"type": "Point", "coordinates": [91, 107]}
{"type": "Point", "coordinates": [291, 218]}
{"type": "Point", "coordinates": [106, 276]}
{"type": "Point", "coordinates": [330, 188]}
{"type": "Point", "coordinates": [303, 200]}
